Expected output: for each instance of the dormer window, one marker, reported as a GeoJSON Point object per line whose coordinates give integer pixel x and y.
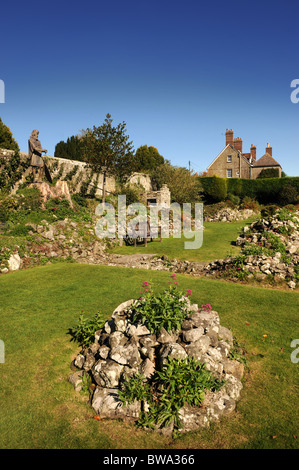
{"type": "Point", "coordinates": [229, 159]}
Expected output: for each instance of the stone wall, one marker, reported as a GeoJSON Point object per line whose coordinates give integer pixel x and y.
{"type": "Point", "coordinates": [141, 179]}
{"type": "Point", "coordinates": [162, 197]}
{"type": "Point", "coordinates": [239, 167]}
{"type": "Point", "coordinates": [74, 172]}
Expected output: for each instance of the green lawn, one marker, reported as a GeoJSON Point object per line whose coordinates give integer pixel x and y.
{"type": "Point", "coordinates": [217, 239]}
{"type": "Point", "coordinates": [39, 408]}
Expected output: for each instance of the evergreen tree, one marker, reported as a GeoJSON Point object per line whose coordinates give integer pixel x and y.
{"type": "Point", "coordinates": [6, 139]}
{"type": "Point", "coordinates": [71, 149]}
{"type": "Point", "coordinates": [147, 159]}
{"type": "Point", "coordinates": [107, 150]}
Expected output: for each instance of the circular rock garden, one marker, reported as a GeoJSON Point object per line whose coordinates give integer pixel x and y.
{"type": "Point", "coordinates": [163, 362]}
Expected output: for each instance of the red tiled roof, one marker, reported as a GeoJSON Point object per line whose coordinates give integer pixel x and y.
{"type": "Point", "coordinates": [266, 160]}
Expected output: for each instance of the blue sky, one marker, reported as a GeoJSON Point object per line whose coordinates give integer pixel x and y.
{"type": "Point", "coordinates": [179, 73]}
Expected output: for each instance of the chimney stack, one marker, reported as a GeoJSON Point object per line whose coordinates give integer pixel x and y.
{"type": "Point", "coordinates": [238, 144]}
{"type": "Point", "coordinates": [229, 137]}
{"type": "Point", "coordinates": [253, 152]}
{"type": "Point", "coordinates": [269, 149]}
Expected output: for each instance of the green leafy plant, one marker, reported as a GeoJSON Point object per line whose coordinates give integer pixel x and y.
{"type": "Point", "coordinates": [86, 384]}
{"type": "Point", "coordinates": [134, 389]}
{"type": "Point", "coordinates": [180, 381]}
{"type": "Point", "coordinates": [249, 203]}
{"type": "Point", "coordinates": [167, 309]}
{"type": "Point", "coordinates": [83, 332]}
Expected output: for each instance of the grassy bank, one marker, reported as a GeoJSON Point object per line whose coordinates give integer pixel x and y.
{"type": "Point", "coordinates": [217, 244]}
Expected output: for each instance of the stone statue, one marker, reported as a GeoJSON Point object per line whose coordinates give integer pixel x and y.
{"type": "Point", "coordinates": [35, 154]}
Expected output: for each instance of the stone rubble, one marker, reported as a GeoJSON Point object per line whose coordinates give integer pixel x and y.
{"type": "Point", "coordinates": [260, 266]}
{"type": "Point", "coordinates": [227, 214]}
{"type": "Point", "coordinates": [122, 349]}
{"type": "Point", "coordinates": [63, 240]}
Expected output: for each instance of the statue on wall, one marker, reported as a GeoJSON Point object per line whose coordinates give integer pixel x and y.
{"type": "Point", "coordinates": [36, 159]}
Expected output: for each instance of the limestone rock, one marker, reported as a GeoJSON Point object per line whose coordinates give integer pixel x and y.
{"type": "Point", "coordinates": [190, 336]}
{"type": "Point", "coordinates": [125, 355]}
{"type": "Point", "coordinates": [76, 380]}
{"type": "Point", "coordinates": [172, 351]}
{"type": "Point", "coordinates": [107, 373]}
{"type": "Point", "coordinates": [122, 349]}
{"type": "Point", "coordinates": [14, 262]}
{"type": "Point", "coordinates": [107, 404]}
{"type": "Point", "coordinates": [164, 337]}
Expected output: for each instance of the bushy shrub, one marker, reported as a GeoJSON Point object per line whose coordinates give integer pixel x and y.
{"type": "Point", "coordinates": [132, 193]}
{"type": "Point", "coordinates": [264, 190]}
{"type": "Point", "coordinates": [288, 195]}
{"type": "Point", "coordinates": [184, 186]}
{"type": "Point", "coordinates": [268, 210]}
{"type": "Point", "coordinates": [30, 199]}
{"type": "Point", "coordinates": [269, 173]}
{"type": "Point", "coordinates": [60, 207]}
{"type": "Point", "coordinates": [83, 332]}
{"type": "Point", "coordinates": [80, 200]}
{"type": "Point", "coordinates": [20, 231]}
{"type": "Point", "coordinates": [215, 189]}
{"type": "Point", "coordinates": [233, 198]}
{"type": "Point", "coordinates": [249, 203]}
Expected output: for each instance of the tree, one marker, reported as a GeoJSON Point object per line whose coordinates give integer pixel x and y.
{"type": "Point", "coordinates": [71, 149]}
{"type": "Point", "coordinates": [183, 184]}
{"type": "Point", "coordinates": [147, 159]}
{"type": "Point", "coordinates": [6, 139]}
{"type": "Point", "coordinates": [107, 150]}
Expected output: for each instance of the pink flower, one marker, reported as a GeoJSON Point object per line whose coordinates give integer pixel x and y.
{"type": "Point", "coordinates": [173, 275]}
{"type": "Point", "coordinates": [189, 292]}
{"type": "Point", "coordinates": [206, 307]}
{"type": "Point", "coordinates": [145, 284]}
{"type": "Point", "coordinates": [176, 283]}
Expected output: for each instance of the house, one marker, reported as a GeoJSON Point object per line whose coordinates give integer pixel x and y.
{"type": "Point", "coordinates": [233, 163]}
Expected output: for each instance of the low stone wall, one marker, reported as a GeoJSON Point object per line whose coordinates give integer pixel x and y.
{"type": "Point", "coordinates": [229, 215]}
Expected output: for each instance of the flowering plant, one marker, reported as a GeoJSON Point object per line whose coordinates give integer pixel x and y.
{"type": "Point", "coordinates": [206, 307]}
{"type": "Point", "coordinates": [166, 309]}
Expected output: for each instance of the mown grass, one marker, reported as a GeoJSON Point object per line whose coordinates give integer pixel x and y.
{"type": "Point", "coordinates": [39, 408]}
{"type": "Point", "coordinates": [217, 244]}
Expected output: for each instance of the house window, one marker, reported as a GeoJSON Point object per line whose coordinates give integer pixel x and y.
{"type": "Point", "coordinates": [229, 159]}
{"type": "Point", "coordinates": [229, 173]}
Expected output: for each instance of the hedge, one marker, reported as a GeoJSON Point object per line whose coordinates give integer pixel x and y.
{"type": "Point", "coordinates": [214, 188]}
{"type": "Point", "coordinates": [263, 190]}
